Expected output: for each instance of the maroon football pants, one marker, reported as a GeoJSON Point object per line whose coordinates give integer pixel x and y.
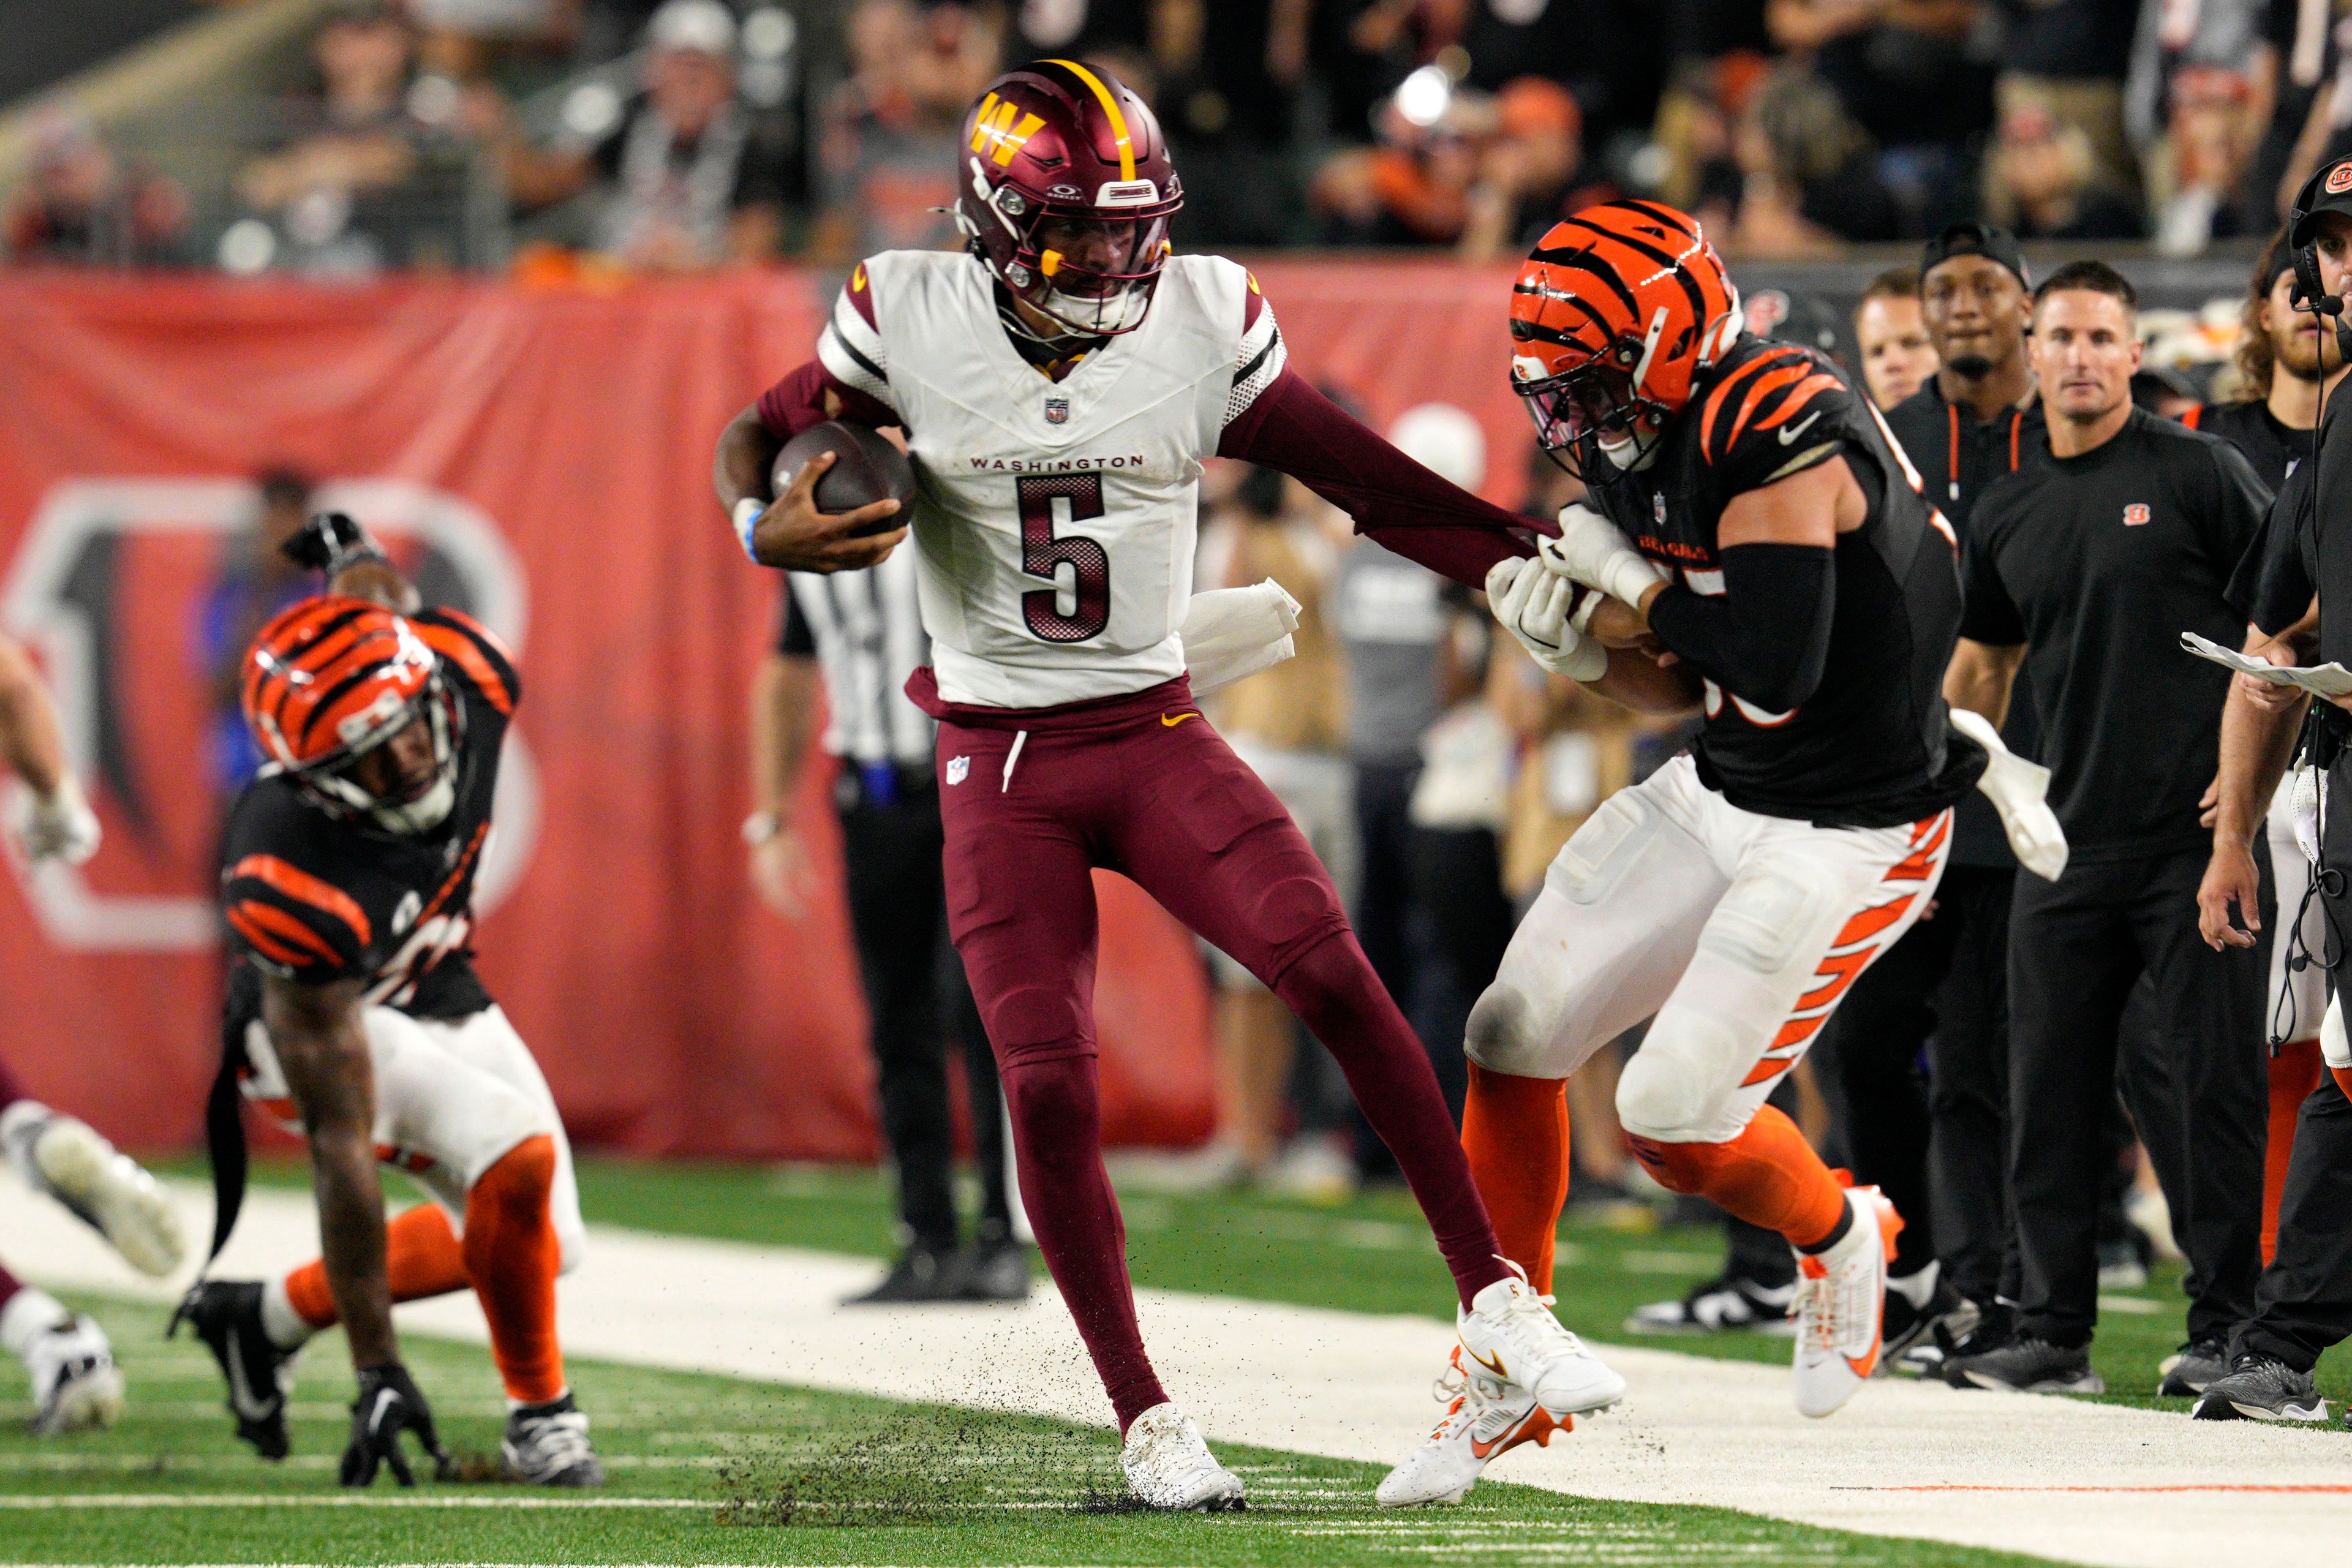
{"type": "Point", "coordinates": [1033, 803]}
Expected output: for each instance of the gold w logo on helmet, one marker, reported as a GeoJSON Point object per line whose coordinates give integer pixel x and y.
{"type": "Point", "coordinates": [994, 132]}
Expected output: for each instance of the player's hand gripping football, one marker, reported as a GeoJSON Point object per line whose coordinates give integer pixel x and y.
{"type": "Point", "coordinates": [793, 535]}
{"type": "Point", "coordinates": [1533, 606]}
{"type": "Point", "coordinates": [390, 1403]}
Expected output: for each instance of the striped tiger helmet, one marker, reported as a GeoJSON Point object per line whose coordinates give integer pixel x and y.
{"type": "Point", "coordinates": [332, 680]}
{"type": "Point", "coordinates": [1613, 320]}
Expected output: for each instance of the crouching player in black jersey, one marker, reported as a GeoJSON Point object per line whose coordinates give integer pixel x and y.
{"type": "Point", "coordinates": [1785, 575]}
{"type": "Point", "coordinates": [354, 1013]}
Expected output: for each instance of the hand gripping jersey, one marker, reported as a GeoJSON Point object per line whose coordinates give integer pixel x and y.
{"type": "Point", "coordinates": [320, 899]}
{"type": "Point", "coordinates": [1054, 537]}
{"type": "Point", "coordinates": [1872, 746]}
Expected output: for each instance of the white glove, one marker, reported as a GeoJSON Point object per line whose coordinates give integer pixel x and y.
{"type": "Point", "coordinates": [1591, 550]}
{"type": "Point", "coordinates": [2335, 1050]}
{"type": "Point", "coordinates": [2018, 789]}
{"type": "Point", "coordinates": [61, 825]}
{"type": "Point", "coordinates": [1533, 607]}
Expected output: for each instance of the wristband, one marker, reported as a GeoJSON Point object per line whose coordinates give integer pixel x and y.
{"type": "Point", "coordinates": [747, 512]}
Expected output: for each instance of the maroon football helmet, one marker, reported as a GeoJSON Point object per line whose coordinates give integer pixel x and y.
{"type": "Point", "coordinates": [1064, 195]}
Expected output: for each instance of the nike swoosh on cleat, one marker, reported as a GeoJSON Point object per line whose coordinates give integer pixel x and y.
{"type": "Point", "coordinates": [1793, 431]}
{"type": "Point", "coordinates": [1495, 1366]}
{"type": "Point", "coordinates": [1171, 723]}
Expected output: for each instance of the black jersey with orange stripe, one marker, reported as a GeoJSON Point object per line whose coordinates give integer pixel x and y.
{"type": "Point", "coordinates": [1873, 746]}
{"type": "Point", "coordinates": [317, 897]}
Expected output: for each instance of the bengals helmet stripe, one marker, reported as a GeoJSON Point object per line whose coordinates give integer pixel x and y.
{"type": "Point", "coordinates": [1614, 317]}
{"type": "Point", "coordinates": [322, 897]}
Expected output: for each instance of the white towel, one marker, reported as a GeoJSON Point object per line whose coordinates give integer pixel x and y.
{"type": "Point", "coordinates": [1230, 632]}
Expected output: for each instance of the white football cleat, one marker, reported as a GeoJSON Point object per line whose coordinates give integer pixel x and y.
{"type": "Point", "coordinates": [1482, 1421]}
{"type": "Point", "coordinates": [547, 1445]}
{"type": "Point", "coordinates": [66, 1158]}
{"type": "Point", "coordinates": [1841, 1306]}
{"type": "Point", "coordinates": [76, 1384]}
{"type": "Point", "coordinates": [1510, 1335]}
{"type": "Point", "coordinates": [1169, 1467]}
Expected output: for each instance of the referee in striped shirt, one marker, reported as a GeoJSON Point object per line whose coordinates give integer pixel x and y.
{"type": "Point", "coordinates": [860, 634]}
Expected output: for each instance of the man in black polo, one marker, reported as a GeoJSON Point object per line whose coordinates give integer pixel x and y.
{"type": "Point", "coordinates": [2304, 1301]}
{"type": "Point", "coordinates": [2085, 567]}
{"type": "Point", "coordinates": [1942, 1155]}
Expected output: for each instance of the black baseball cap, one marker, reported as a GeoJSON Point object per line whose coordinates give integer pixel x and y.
{"type": "Point", "coordinates": [2329, 190]}
{"type": "Point", "coordinates": [1975, 239]}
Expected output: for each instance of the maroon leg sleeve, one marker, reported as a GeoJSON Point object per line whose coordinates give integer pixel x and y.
{"type": "Point", "coordinates": [11, 1091]}
{"type": "Point", "coordinates": [1021, 907]}
{"type": "Point", "coordinates": [8, 1285]}
{"type": "Point", "coordinates": [1211, 842]}
{"type": "Point", "coordinates": [1057, 1142]}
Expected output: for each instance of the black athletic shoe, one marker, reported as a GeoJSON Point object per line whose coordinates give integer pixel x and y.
{"type": "Point", "coordinates": [2190, 1370]}
{"type": "Point", "coordinates": [226, 1315]}
{"type": "Point", "coordinates": [2261, 1388]}
{"type": "Point", "coordinates": [920, 1274]}
{"type": "Point", "coordinates": [1906, 1328]}
{"type": "Point", "coordinates": [1977, 1327]}
{"type": "Point", "coordinates": [2032, 1366]}
{"type": "Point", "coordinates": [1719, 1306]}
{"type": "Point", "coordinates": [995, 1271]}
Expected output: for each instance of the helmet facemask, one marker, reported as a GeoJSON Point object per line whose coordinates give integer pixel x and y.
{"type": "Point", "coordinates": [1089, 272]}
{"type": "Point", "coordinates": [402, 807]}
{"type": "Point", "coordinates": [1592, 419]}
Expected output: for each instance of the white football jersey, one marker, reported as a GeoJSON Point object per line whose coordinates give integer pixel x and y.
{"type": "Point", "coordinates": [1054, 532]}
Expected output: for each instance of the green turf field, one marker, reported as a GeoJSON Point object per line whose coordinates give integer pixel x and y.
{"type": "Point", "coordinates": [1372, 1254]}
{"type": "Point", "coordinates": [711, 1469]}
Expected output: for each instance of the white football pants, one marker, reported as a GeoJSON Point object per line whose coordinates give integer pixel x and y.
{"type": "Point", "coordinates": [453, 1097]}
{"type": "Point", "coordinates": [1739, 933]}
{"type": "Point", "coordinates": [2297, 1002]}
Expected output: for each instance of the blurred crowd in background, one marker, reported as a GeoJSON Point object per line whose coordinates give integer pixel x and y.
{"type": "Point", "coordinates": [341, 136]}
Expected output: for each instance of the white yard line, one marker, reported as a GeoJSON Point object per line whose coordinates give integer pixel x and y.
{"type": "Point", "coordinates": [2057, 1477]}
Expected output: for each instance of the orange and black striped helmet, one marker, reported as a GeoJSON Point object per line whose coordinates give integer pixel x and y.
{"type": "Point", "coordinates": [330, 679]}
{"type": "Point", "coordinates": [1613, 317]}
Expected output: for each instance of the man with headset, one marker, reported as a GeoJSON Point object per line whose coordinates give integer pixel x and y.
{"type": "Point", "coordinates": [2302, 1304]}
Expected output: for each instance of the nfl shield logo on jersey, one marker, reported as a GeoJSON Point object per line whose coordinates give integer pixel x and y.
{"type": "Point", "coordinates": [1057, 411]}
{"type": "Point", "coordinates": [959, 769]}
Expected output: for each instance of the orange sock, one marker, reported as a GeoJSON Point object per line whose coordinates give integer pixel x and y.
{"type": "Point", "coordinates": [512, 1257]}
{"type": "Point", "coordinates": [2294, 1073]}
{"type": "Point", "coordinates": [1768, 1175]}
{"type": "Point", "coordinates": [1514, 1130]}
{"type": "Point", "coordinates": [421, 1259]}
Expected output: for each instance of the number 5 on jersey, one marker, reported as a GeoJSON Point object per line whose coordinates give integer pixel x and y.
{"type": "Point", "coordinates": [1078, 567]}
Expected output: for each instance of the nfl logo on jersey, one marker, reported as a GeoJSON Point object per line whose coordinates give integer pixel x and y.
{"type": "Point", "coordinates": [1057, 411]}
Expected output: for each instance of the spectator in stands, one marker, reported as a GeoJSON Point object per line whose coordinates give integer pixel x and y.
{"type": "Point", "coordinates": [252, 583]}
{"type": "Point", "coordinates": [1807, 181]}
{"type": "Point", "coordinates": [684, 180]}
{"type": "Point", "coordinates": [81, 203]}
{"type": "Point", "coordinates": [1531, 170]}
{"type": "Point", "coordinates": [890, 130]}
{"type": "Point", "coordinates": [2201, 97]}
{"type": "Point", "coordinates": [1890, 334]}
{"type": "Point", "coordinates": [2043, 181]}
{"type": "Point", "coordinates": [343, 181]}
{"type": "Point", "coordinates": [458, 39]}
{"type": "Point", "coordinates": [2068, 58]}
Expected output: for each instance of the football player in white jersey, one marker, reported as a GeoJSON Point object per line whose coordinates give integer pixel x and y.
{"type": "Point", "coordinates": [75, 1381]}
{"type": "Point", "coordinates": [1060, 383]}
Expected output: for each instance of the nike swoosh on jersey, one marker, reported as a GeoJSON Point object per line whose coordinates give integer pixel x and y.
{"type": "Point", "coordinates": [1793, 431]}
{"type": "Point", "coordinates": [1171, 723]}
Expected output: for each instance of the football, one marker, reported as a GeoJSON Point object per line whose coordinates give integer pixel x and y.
{"type": "Point", "coordinates": [867, 468]}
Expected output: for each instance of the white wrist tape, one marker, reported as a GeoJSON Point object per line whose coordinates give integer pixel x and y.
{"type": "Point", "coordinates": [747, 512]}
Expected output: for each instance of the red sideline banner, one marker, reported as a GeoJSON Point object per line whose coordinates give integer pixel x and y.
{"type": "Point", "coordinates": [548, 451]}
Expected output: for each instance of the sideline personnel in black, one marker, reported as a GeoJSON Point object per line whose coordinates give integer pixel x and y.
{"type": "Point", "coordinates": [1941, 1154]}
{"type": "Point", "coordinates": [861, 630]}
{"type": "Point", "coordinates": [2086, 569]}
{"type": "Point", "coordinates": [2304, 1301]}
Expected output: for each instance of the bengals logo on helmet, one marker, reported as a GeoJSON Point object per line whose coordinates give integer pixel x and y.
{"type": "Point", "coordinates": [1614, 316]}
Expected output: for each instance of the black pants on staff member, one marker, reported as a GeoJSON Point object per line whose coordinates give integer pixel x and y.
{"type": "Point", "coordinates": [2077, 946]}
{"type": "Point", "coordinates": [891, 843]}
